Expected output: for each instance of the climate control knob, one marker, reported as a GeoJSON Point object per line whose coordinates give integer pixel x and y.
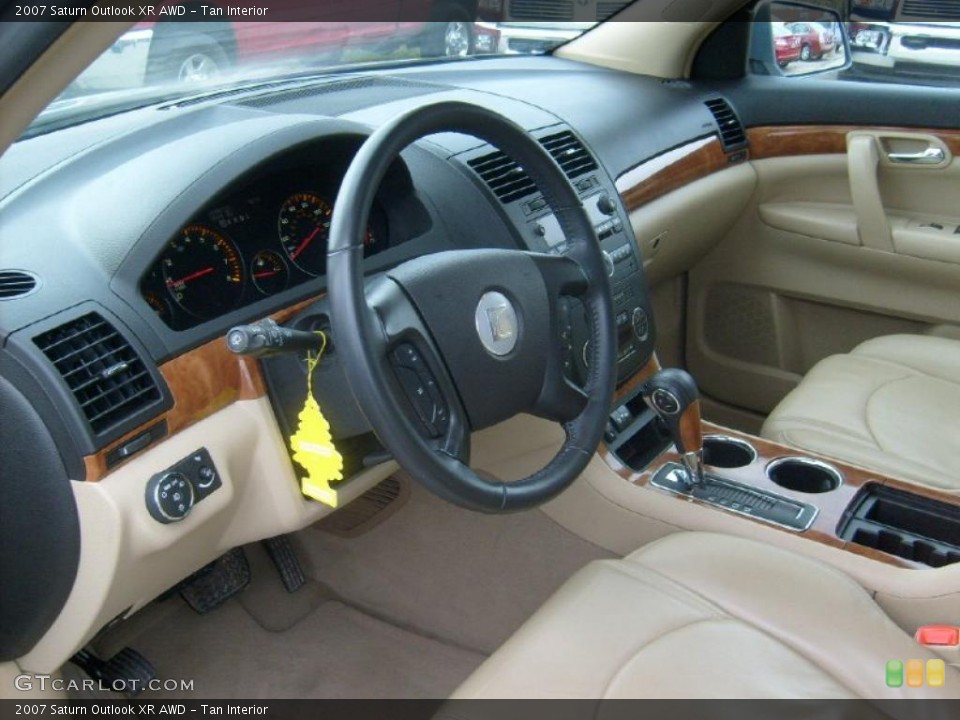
{"type": "Point", "coordinates": [609, 263]}
{"type": "Point", "coordinates": [606, 205]}
{"type": "Point", "coordinates": [169, 497]}
{"type": "Point", "coordinates": [640, 323]}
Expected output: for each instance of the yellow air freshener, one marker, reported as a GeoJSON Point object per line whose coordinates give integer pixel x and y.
{"type": "Point", "coordinates": [313, 446]}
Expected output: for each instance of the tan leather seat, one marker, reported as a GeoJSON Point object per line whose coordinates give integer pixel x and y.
{"type": "Point", "coordinates": [699, 615]}
{"type": "Point", "coordinates": [892, 405]}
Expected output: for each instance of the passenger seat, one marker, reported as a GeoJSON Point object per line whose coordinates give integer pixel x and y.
{"type": "Point", "coordinates": [892, 405]}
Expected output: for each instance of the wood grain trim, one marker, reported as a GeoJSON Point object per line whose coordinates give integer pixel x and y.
{"type": "Point", "coordinates": [700, 158]}
{"type": "Point", "coordinates": [647, 371]}
{"type": "Point", "coordinates": [691, 427]}
{"type": "Point", "coordinates": [831, 504]}
{"type": "Point", "coordinates": [201, 382]}
{"type": "Point", "coordinates": [672, 170]}
{"type": "Point", "coordinates": [797, 140]}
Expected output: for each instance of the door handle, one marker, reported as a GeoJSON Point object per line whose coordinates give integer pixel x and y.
{"type": "Point", "coordinates": [930, 156]}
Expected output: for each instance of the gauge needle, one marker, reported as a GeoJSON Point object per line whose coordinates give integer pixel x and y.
{"type": "Point", "coordinates": [191, 276]}
{"type": "Point", "coordinates": [306, 241]}
{"type": "Point", "coordinates": [265, 274]}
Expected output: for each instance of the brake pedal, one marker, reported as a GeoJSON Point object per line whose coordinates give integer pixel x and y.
{"type": "Point", "coordinates": [284, 558]}
{"type": "Point", "coordinates": [128, 671]}
{"type": "Point", "coordinates": [214, 584]}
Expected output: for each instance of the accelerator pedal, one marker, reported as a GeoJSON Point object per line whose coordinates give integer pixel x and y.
{"type": "Point", "coordinates": [127, 672]}
{"type": "Point", "coordinates": [284, 558]}
{"type": "Point", "coordinates": [214, 584]}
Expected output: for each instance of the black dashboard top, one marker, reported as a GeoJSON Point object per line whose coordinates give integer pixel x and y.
{"type": "Point", "coordinates": [93, 206]}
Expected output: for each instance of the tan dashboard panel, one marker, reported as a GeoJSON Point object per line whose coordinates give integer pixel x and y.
{"type": "Point", "coordinates": [202, 382]}
{"type": "Point", "coordinates": [127, 558]}
{"type": "Point", "coordinates": [671, 170]}
{"type": "Point", "coordinates": [792, 140]}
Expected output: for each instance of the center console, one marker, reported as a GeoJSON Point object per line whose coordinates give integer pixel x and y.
{"type": "Point", "coordinates": [821, 499]}
{"type": "Point", "coordinates": [528, 212]}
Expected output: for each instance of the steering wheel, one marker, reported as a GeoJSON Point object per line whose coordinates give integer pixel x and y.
{"type": "Point", "coordinates": [460, 340]}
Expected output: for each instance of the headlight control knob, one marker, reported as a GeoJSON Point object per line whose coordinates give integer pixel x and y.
{"type": "Point", "coordinates": [170, 497]}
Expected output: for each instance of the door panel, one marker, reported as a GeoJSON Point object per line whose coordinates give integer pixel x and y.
{"type": "Point", "coordinates": [807, 271]}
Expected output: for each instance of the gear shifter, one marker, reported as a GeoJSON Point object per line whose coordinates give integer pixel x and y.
{"type": "Point", "coordinates": [672, 394]}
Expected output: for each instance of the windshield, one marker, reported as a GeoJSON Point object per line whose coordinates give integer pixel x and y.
{"type": "Point", "coordinates": [169, 60]}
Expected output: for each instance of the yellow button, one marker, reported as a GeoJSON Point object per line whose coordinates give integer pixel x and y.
{"type": "Point", "coordinates": [915, 673]}
{"type": "Point", "coordinates": [936, 672]}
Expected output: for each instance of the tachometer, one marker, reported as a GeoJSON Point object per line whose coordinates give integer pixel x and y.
{"type": "Point", "coordinates": [304, 228]}
{"type": "Point", "coordinates": [203, 272]}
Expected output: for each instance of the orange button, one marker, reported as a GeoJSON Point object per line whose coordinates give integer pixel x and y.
{"type": "Point", "coordinates": [938, 635]}
{"type": "Point", "coordinates": [914, 673]}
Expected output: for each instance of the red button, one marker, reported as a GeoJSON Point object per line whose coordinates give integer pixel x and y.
{"type": "Point", "coordinates": [938, 635]}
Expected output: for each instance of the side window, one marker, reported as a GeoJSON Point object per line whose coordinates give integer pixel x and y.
{"type": "Point", "coordinates": [913, 42]}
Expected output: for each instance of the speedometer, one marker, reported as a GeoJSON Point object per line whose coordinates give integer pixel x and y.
{"type": "Point", "coordinates": [304, 228]}
{"type": "Point", "coordinates": [203, 272]}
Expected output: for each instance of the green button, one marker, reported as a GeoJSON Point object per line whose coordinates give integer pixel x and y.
{"type": "Point", "coordinates": [894, 673]}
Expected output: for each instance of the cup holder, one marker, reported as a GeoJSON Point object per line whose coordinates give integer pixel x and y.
{"type": "Point", "coordinates": [723, 451]}
{"type": "Point", "coordinates": [804, 475]}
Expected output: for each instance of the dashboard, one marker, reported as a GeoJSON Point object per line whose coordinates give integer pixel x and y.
{"type": "Point", "coordinates": [268, 234]}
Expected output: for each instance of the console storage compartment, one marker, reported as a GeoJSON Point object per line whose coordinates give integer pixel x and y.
{"type": "Point", "coordinates": [910, 526]}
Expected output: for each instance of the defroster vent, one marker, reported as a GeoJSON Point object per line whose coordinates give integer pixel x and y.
{"type": "Point", "coordinates": [732, 135]}
{"type": "Point", "coordinates": [16, 283]}
{"type": "Point", "coordinates": [107, 377]}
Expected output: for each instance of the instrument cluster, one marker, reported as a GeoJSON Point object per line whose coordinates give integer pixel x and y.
{"type": "Point", "coordinates": [256, 243]}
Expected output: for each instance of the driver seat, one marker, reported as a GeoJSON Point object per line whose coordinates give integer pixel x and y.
{"type": "Point", "coordinates": [700, 615]}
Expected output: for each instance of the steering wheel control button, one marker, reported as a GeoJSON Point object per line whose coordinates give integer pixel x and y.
{"type": "Point", "coordinates": [665, 401]}
{"type": "Point", "coordinates": [420, 387]}
{"type": "Point", "coordinates": [171, 494]}
{"type": "Point", "coordinates": [170, 497]}
{"type": "Point", "coordinates": [496, 322]}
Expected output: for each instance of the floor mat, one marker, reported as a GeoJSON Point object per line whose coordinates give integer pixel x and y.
{"type": "Point", "coordinates": [334, 652]}
{"type": "Point", "coordinates": [464, 577]}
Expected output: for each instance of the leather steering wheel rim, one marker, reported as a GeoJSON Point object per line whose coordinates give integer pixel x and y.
{"type": "Point", "coordinates": [370, 319]}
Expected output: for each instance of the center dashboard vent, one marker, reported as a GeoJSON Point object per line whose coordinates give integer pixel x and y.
{"type": "Point", "coordinates": [732, 135]}
{"type": "Point", "coordinates": [107, 377]}
{"type": "Point", "coordinates": [510, 182]}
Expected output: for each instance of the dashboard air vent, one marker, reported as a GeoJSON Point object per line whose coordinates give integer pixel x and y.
{"type": "Point", "coordinates": [569, 153]}
{"type": "Point", "coordinates": [510, 182]}
{"type": "Point", "coordinates": [103, 371]}
{"type": "Point", "coordinates": [16, 283]}
{"type": "Point", "coordinates": [731, 130]}
{"type": "Point", "coordinates": [504, 176]}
